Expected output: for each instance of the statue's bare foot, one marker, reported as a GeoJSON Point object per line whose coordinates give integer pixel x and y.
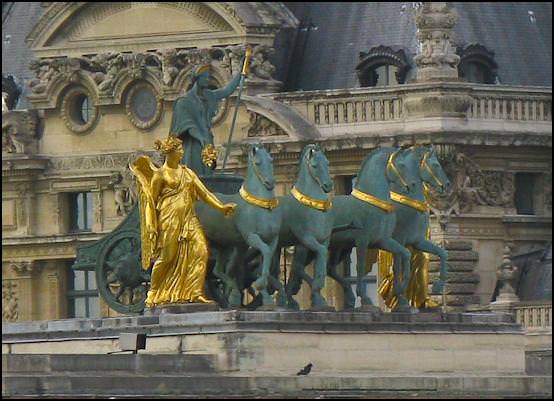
{"type": "Point", "coordinates": [203, 299]}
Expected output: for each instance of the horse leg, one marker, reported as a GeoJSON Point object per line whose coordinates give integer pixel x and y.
{"type": "Point", "coordinates": [219, 272]}
{"type": "Point", "coordinates": [233, 271]}
{"type": "Point", "coordinates": [274, 274]}
{"type": "Point", "coordinates": [261, 283]}
{"type": "Point", "coordinates": [428, 246]}
{"type": "Point", "coordinates": [318, 282]}
{"type": "Point", "coordinates": [297, 273]}
{"type": "Point", "coordinates": [361, 270]}
{"type": "Point", "coordinates": [335, 257]}
{"type": "Point", "coordinates": [401, 265]}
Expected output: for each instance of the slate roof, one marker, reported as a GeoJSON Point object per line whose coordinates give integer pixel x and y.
{"type": "Point", "coordinates": [18, 18]}
{"type": "Point", "coordinates": [328, 57]}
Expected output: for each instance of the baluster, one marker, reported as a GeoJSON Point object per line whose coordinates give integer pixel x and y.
{"type": "Point", "coordinates": [335, 113]}
{"type": "Point", "coordinates": [316, 114]}
{"type": "Point", "coordinates": [327, 120]}
{"type": "Point", "coordinates": [347, 110]}
{"type": "Point", "coordinates": [365, 106]}
{"type": "Point", "coordinates": [489, 109]}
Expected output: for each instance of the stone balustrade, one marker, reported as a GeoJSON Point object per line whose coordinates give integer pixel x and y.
{"type": "Point", "coordinates": [362, 105]}
{"type": "Point", "coordinates": [534, 315]}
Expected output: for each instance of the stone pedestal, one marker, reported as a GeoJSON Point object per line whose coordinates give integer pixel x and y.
{"type": "Point", "coordinates": [181, 308]}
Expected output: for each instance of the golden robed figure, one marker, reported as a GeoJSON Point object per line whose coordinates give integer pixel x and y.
{"type": "Point", "coordinates": [171, 234]}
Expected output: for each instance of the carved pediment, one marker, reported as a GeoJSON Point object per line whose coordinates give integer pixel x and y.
{"type": "Point", "coordinates": [70, 28]}
{"type": "Point", "coordinates": [122, 21]}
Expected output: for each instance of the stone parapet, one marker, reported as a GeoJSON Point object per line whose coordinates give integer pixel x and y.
{"type": "Point", "coordinates": [260, 343]}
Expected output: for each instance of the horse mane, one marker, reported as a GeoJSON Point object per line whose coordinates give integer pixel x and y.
{"type": "Point", "coordinates": [308, 148]}
{"type": "Point", "coordinates": [374, 152]}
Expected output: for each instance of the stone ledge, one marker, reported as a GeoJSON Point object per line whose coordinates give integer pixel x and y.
{"type": "Point", "coordinates": [248, 321]}
{"type": "Point", "coordinates": [328, 386]}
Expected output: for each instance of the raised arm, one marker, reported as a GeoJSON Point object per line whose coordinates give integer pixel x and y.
{"type": "Point", "coordinates": [205, 194]}
{"type": "Point", "coordinates": [227, 90]}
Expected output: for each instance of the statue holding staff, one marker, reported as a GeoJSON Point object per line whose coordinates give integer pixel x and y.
{"type": "Point", "coordinates": [192, 119]}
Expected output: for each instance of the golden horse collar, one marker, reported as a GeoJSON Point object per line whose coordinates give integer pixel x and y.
{"type": "Point", "coordinates": [311, 202]}
{"type": "Point", "coordinates": [406, 200]}
{"type": "Point", "coordinates": [253, 200]}
{"type": "Point", "coordinates": [372, 200]}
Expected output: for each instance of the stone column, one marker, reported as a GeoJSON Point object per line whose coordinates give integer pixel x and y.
{"type": "Point", "coordinates": [26, 305]}
{"type": "Point", "coordinates": [436, 61]}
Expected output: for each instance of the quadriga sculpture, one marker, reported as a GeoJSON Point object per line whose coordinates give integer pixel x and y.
{"type": "Point", "coordinates": [255, 224]}
{"type": "Point", "coordinates": [307, 220]}
{"type": "Point", "coordinates": [412, 230]}
{"type": "Point", "coordinates": [368, 215]}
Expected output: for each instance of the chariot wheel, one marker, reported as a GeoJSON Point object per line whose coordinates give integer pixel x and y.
{"type": "Point", "coordinates": [121, 281]}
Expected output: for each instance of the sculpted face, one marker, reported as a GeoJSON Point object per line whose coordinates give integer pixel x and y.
{"type": "Point", "coordinates": [203, 80]}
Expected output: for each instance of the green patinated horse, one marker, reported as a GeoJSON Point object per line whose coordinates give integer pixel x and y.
{"type": "Point", "coordinates": [412, 218]}
{"type": "Point", "coordinates": [362, 219]}
{"type": "Point", "coordinates": [307, 221]}
{"type": "Point", "coordinates": [255, 224]}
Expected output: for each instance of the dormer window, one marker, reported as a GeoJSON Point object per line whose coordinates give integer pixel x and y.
{"type": "Point", "coordinates": [382, 66]}
{"type": "Point", "coordinates": [477, 64]}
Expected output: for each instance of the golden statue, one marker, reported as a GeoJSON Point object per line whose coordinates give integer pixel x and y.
{"type": "Point", "coordinates": [170, 231]}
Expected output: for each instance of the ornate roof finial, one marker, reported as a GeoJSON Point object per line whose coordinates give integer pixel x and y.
{"type": "Point", "coordinates": [437, 59]}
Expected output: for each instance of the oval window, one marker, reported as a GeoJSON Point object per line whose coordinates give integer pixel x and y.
{"type": "Point", "coordinates": [78, 110]}
{"type": "Point", "coordinates": [143, 105]}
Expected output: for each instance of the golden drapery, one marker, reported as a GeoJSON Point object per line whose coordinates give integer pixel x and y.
{"type": "Point", "coordinates": [417, 290]}
{"type": "Point", "coordinates": [171, 233]}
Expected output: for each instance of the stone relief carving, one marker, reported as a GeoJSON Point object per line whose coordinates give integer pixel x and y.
{"type": "Point", "coordinates": [260, 126]}
{"type": "Point", "coordinates": [46, 70]}
{"type": "Point", "coordinates": [19, 131]}
{"type": "Point", "coordinates": [106, 68]}
{"type": "Point", "coordinates": [9, 301]}
{"type": "Point", "coordinates": [260, 65]}
{"type": "Point", "coordinates": [125, 191]}
{"type": "Point", "coordinates": [471, 187]}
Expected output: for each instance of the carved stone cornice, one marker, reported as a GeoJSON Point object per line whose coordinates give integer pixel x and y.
{"type": "Point", "coordinates": [43, 248]}
{"type": "Point", "coordinates": [23, 166]}
{"type": "Point", "coordinates": [107, 76]}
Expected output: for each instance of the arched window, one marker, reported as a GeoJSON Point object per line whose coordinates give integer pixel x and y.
{"type": "Point", "coordinates": [382, 66]}
{"type": "Point", "coordinates": [477, 64]}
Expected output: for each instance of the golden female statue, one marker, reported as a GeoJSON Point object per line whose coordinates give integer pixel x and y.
{"type": "Point", "coordinates": [170, 231]}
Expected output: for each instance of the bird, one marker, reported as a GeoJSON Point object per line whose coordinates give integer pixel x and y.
{"type": "Point", "coordinates": [305, 370]}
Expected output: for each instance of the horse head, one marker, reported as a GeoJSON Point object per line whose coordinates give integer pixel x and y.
{"type": "Point", "coordinates": [315, 162]}
{"type": "Point", "coordinates": [430, 170]}
{"type": "Point", "coordinates": [262, 165]}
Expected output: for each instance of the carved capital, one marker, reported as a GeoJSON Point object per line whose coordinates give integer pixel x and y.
{"type": "Point", "coordinates": [25, 268]}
